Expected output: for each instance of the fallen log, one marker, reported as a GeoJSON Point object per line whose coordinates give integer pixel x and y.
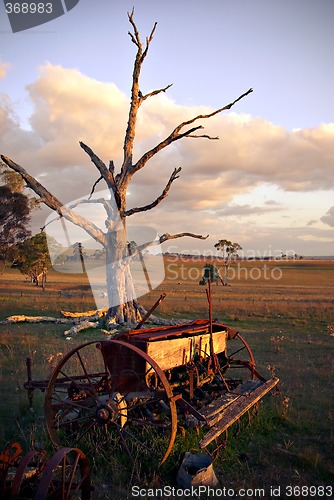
{"type": "Point", "coordinates": [96, 312]}
{"type": "Point", "coordinates": [81, 326]}
{"type": "Point", "coordinates": [21, 318]}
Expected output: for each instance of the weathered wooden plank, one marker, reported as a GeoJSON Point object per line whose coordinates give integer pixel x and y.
{"type": "Point", "coordinates": [179, 351]}
{"type": "Point", "coordinates": [236, 410]}
{"type": "Point", "coordinates": [218, 404]}
{"type": "Point", "coordinates": [247, 387]}
{"type": "Point", "coordinates": [215, 410]}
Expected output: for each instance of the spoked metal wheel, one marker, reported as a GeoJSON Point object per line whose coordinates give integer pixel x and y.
{"type": "Point", "coordinates": [9, 460]}
{"type": "Point", "coordinates": [111, 395]}
{"type": "Point", "coordinates": [66, 477]}
{"type": "Point", "coordinates": [28, 473]}
{"type": "Point", "coordinates": [238, 362]}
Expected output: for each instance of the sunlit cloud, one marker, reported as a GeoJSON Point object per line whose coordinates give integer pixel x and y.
{"type": "Point", "coordinates": [310, 237]}
{"type": "Point", "coordinates": [69, 107]}
{"type": "Point", "coordinates": [3, 69]}
{"type": "Point", "coordinates": [328, 218]}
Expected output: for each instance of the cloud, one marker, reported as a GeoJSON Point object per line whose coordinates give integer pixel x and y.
{"type": "Point", "coordinates": [328, 218]}
{"type": "Point", "coordinates": [311, 237]}
{"type": "Point", "coordinates": [239, 210]}
{"type": "Point", "coordinates": [312, 222]}
{"type": "Point", "coordinates": [69, 106]}
{"type": "Point", "coordinates": [14, 140]}
{"type": "Point", "coordinates": [3, 69]}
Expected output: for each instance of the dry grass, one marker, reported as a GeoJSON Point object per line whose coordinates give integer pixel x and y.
{"type": "Point", "coordinates": [286, 321]}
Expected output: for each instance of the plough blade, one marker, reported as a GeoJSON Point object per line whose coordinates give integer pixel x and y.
{"type": "Point", "coordinates": [241, 401]}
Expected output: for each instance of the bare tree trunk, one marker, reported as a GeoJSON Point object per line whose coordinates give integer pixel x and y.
{"type": "Point", "coordinates": [119, 281]}
{"type": "Point", "coordinates": [226, 274]}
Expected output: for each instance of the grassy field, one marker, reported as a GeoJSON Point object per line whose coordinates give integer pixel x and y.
{"type": "Point", "coordinates": [284, 309]}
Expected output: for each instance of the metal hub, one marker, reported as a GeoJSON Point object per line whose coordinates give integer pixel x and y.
{"type": "Point", "coordinates": [105, 414]}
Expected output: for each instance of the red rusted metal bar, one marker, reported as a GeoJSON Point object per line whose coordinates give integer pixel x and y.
{"type": "Point", "coordinates": [148, 314]}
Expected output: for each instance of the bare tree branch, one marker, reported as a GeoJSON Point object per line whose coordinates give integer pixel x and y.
{"type": "Point", "coordinates": [176, 135]}
{"type": "Point", "coordinates": [87, 201]}
{"type": "Point", "coordinates": [159, 199]}
{"type": "Point", "coordinates": [122, 179]}
{"type": "Point", "coordinates": [154, 92]}
{"type": "Point", "coordinates": [106, 174]}
{"type": "Point", "coordinates": [165, 237]}
{"type": "Point", "coordinates": [128, 169]}
{"type": "Point", "coordinates": [134, 37]}
{"type": "Point", "coordinates": [111, 167]}
{"type": "Point", "coordinates": [94, 186]}
{"type": "Point", "coordinates": [204, 136]}
{"type": "Point", "coordinates": [109, 208]}
{"type": "Point", "coordinates": [209, 115]}
{"type": "Point", "coordinates": [52, 202]}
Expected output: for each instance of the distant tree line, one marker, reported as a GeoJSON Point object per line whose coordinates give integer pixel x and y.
{"type": "Point", "coordinates": [17, 247]}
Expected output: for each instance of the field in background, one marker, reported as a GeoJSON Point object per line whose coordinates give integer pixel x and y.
{"type": "Point", "coordinates": [284, 309]}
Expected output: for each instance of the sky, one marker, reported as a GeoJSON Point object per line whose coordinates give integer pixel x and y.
{"type": "Point", "coordinates": [267, 183]}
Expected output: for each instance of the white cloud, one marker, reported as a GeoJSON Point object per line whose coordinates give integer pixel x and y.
{"type": "Point", "coordinates": [69, 107]}
{"type": "Point", "coordinates": [311, 237]}
{"type": "Point", "coordinates": [328, 218]}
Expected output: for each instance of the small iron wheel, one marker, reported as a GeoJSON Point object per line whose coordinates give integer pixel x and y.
{"type": "Point", "coordinates": [66, 477]}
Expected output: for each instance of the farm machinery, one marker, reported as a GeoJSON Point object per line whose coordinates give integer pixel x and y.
{"type": "Point", "coordinates": [35, 475]}
{"type": "Point", "coordinates": [132, 393]}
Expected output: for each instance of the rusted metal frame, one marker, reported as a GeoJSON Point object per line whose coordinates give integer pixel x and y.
{"type": "Point", "coordinates": [54, 383]}
{"type": "Point", "coordinates": [74, 466]}
{"type": "Point", "coordinates": [164, 332]}
{"type": "Point", "coordinates": [65, 425]}
{"type": "Point", "coordinates": [246, 346]}
{"type": "Point", "coordinates": [148, 281]}
{"type": "Point", "coordinates": [166, 386]}
{"type": "Point", "coordinates": [86, 373]}
{"type": "Point", "coordinates": [188, 407]}
{"type": "Point", "coordinates": [8, 458]}
{"type": "Point", "coordinates": [124, 431]}
{"type": "Point", "coordinates": [87, 429]}
{"type": "Point", "coordinates": [249, 364]}
{"type": "Point", "coordinates": [42, 384]}
{"type": "Point", "coordinates": [200, 350]}
{"type": "Point", "coordinates": [174, 332]}
{"type": "Point", "coordinates": [120, 433]}
{"type": "Point", "coordinates": [148, 314]}
{"type": "Point", "coordinates": [251, 369]}
{"type": "Point", "coordinates": [29, 369]}
{"type": "Point", "coordinates": [213, 364]}
{"type": "Point", "coordinates": [167, 391]}
{"type": "Point", "coordinates": [191, 381]}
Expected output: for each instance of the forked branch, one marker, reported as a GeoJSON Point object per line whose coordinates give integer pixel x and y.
{"type": "Point", "coordinates": [166, 236]}
{"type": "Point", "coordinates": [52, 202]}
{"type": "Point", "coordinates": [178, 134]}
{"type": "Point", "coordinates": [106, 173]}
{"type": "Point", "coordinates": [163, 238]}
{"type": "Point", "coordinates": [154, 92]}
{"type": "Point", "coordinates": [159, 199]}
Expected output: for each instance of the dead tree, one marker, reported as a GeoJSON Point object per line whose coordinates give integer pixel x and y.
{"type": "Point", "coordinates": [114, 240]}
